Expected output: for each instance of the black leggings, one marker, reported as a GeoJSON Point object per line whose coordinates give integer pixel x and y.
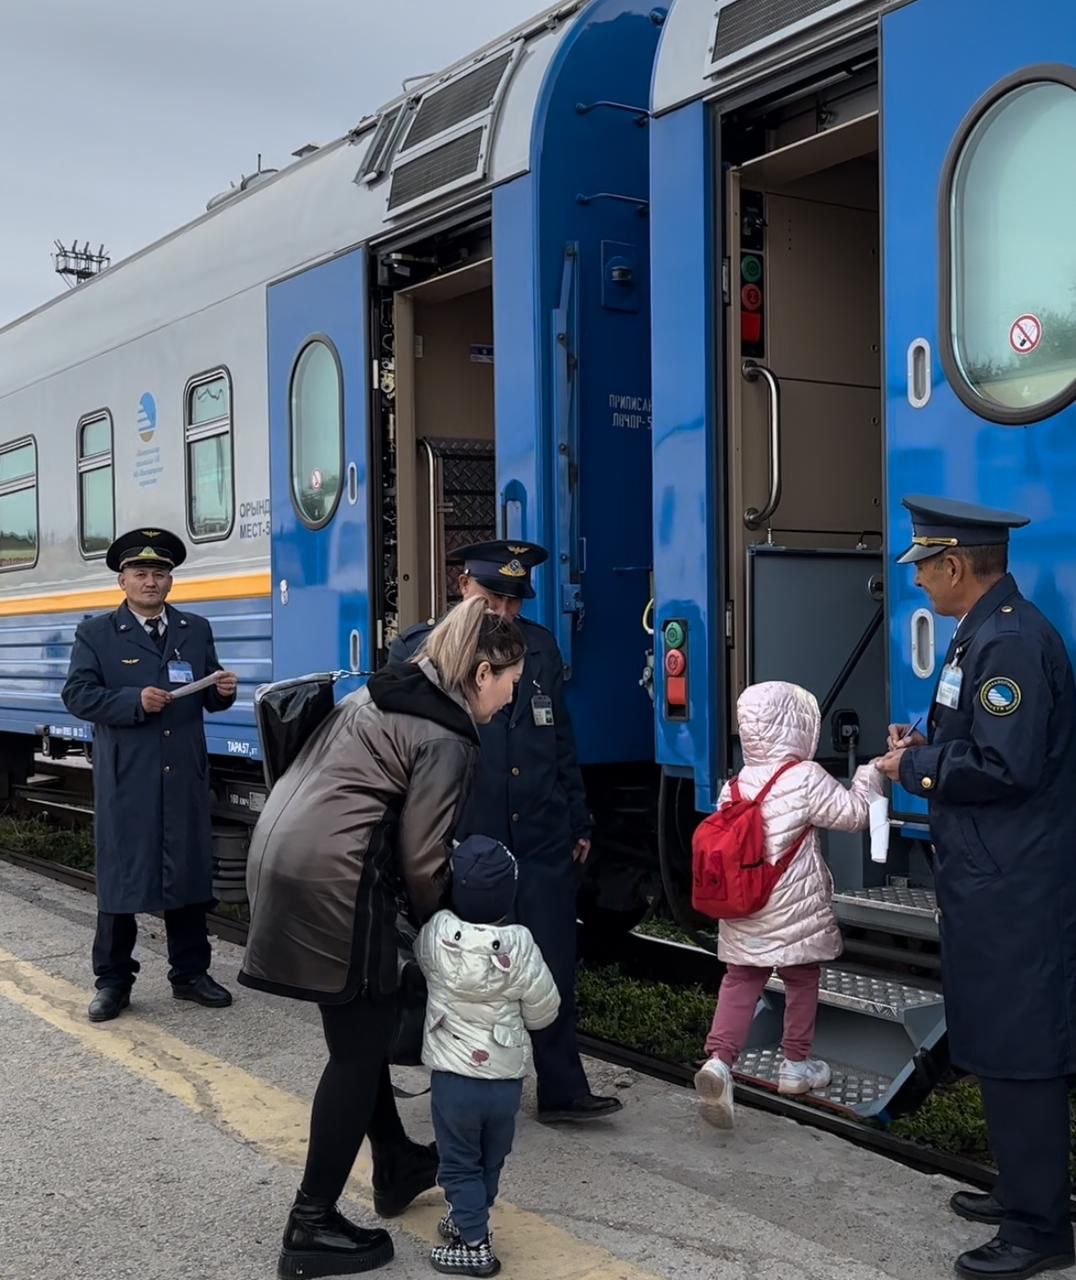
{"type": "Point", "coordinates": [354, 1098]}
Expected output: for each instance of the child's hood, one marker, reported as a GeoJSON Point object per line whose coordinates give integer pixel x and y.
{"type": "Point", "coordinates": [473, 959]}
{"type": "Point", "coordinates": [778, 721]}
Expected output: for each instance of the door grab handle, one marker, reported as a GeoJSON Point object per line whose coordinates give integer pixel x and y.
{"type": "Point", "coordinates": [753, 518]}
{"type": "Point", "coordinates": [432, 496]}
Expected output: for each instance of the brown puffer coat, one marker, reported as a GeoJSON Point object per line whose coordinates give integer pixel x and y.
{"type": "Point", "coordinates": [357, 829]}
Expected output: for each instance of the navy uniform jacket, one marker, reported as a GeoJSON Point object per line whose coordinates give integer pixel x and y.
{"type": "Point", "coordinates": [1000, 776]}
{"type": "Point", "coordinates": [528, 791]}
{"type": "Point", "coordinates": [150, 772]}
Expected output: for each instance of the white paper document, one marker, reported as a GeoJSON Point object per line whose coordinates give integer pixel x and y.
{"type": "Point", "coordinates": [879, 812]}
{"type": "Point", "coordinates": [196, 686]}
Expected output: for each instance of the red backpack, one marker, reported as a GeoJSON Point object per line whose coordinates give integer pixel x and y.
{"type": "Point", "coordinates": [731, 877]}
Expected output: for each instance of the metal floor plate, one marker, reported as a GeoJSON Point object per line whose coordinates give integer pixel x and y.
{"type": "Point", "coordinates": [914, 901]}
{"type": "Point", "coordinates": [849, 1090]}
{"type": "Point", "coordinates": [877, 997]}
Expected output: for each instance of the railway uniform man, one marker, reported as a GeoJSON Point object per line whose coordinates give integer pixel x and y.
{"type": "Point", "coordinates": [151, 789]}
{"type": "Point", "coordinates": [528, 794]}
{"type": "Point", "coordinates": [997, 768]}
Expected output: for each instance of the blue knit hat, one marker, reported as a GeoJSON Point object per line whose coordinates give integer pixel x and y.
{"type": "Point", "coordinates": [484, 877]}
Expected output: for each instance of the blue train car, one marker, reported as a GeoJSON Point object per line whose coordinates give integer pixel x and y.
{"type": "Point", "coordinates": [849, 304]}
{"type": "Point", "coordinates": [431, 331]}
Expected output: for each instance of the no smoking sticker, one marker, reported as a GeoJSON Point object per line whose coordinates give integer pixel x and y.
{"type": "Point", "coordinates": [1025, 334]}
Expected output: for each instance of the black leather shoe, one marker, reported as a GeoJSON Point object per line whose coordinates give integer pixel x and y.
{"type": "Point", "coordinates": [977, 1206]}
{"type": "Point", "coordinates": [590, 1107]}
{"type": "Point", "coordinates": [999, 1260]}
{"type": "Point", "coordinates": [109, 1003]}
{"type": "Point", "coordinates": [320, 1241]}
{"type": "Point", "coordinates": [402, 1173]}
{"type": "Point", "coordinates": [203, 990]}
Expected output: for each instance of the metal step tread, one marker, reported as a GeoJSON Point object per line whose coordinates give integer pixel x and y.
{"type": "Point", "coordinates": [917, 902]}
{"type": "Point", "coordinates": [851, 1088]}
{"type": "Point", "coordinates": [876, 996]}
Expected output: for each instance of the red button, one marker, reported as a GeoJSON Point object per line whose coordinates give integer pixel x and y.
{"type": "Point", "coordinates": [675, 662]}
{"type": "Point", "coordinates": [751, 326]}
{"type": "Point", "coordinates": [676, 691]}
{"type": "Point", "coordinates": [751, 296]}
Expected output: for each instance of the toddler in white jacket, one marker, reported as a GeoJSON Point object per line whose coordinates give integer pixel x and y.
{"type": "Point", "coordinates": [488, 987]}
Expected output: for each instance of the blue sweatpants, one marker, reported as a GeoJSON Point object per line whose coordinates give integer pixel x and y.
{"type": "Point", "coordinates": [474, 1122]}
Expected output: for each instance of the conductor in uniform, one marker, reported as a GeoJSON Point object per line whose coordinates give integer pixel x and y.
{"type": "Point", "coordinates": [997, 768]}
{"type": "Point", "coordinates": [528, 794]}
{"type": "Point", "coordinates": [150, 768]}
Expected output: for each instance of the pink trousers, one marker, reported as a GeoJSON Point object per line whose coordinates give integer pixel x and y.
{"type": "Point", "coordinates": [740, 990]}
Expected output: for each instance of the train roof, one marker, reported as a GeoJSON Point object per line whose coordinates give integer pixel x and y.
{"type": "Point", "coordinates": [712, 48]}
{"type": "Point", "coordinates": [443, 143]}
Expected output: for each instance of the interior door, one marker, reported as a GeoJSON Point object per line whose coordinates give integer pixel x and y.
{"type": "Point", "coordinates": [319, 431]}
{"type": "Point", "coordinates": [980, 297]}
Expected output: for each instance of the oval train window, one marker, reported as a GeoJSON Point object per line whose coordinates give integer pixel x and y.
{"type": "Point", "coordinates": [1012, 252]}
{"type": "Point", "coordinates": [317, 432]}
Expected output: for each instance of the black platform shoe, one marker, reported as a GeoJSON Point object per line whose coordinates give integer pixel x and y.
{"type": "Point", "coordinates": [591, 1106]}
{"type": "Point", "coordinates": [320, 1241]}
{"type": "Point", "coordinates": [999, 1260]}
{"type": "Point", "coordinates": [109, 1003]}
{"type": "Point", "coordinates": [401, 1173]}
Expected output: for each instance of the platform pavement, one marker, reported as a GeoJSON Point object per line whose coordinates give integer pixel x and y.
{"type": "Point", "coordinates": [168, 1145]}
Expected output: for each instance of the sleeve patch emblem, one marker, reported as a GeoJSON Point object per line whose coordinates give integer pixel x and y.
{"type": "Point", "coordinates": [1000, 696]}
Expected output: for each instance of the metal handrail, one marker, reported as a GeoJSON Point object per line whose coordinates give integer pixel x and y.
{"type": "Point", "coordinates": [433, 527]}
{"type": "Point", "coordinates": [753, 518]}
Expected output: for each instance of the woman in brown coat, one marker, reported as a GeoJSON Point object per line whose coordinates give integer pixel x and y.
{"type": "Point", "coordinates": [358, 825]}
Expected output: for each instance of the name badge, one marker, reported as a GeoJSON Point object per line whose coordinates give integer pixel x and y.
{"type": "Point", "coordinates": [949, 686]}
{"type": "Point", "coordinates": [180, 673]}
{"type": "Point", "coordinates": [542, 711]}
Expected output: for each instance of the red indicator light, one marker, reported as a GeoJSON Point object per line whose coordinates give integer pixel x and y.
{"type": "Point", "coordinates": [676, 691]}
{"type": "Point", "coordinates": [751, 326]}
{"type": "Point", "coordinates": [751, 296]}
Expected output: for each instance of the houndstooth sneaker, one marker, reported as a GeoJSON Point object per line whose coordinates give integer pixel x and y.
{"type": "Point", "coordinates": [447, 1230]}
{"type": "Point", "coordinates": [461, 1259]}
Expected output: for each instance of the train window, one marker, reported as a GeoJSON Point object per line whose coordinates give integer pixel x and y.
{"type": "Point", "coordinates": [18, 505]}
{"type": "Point", "coordinates": [317, 432]}
{"type": "Point", "coordinates": [1009, 206]}
{"type": "Point", "coordinates": [207, 416]}
{"type": "Point", "coordinates": [96, 500]}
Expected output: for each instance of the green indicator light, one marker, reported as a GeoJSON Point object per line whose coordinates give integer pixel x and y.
{"type": "Point", "coordinates": [674, 635]}
{"type": "Point", "coordinates": [751, 268]}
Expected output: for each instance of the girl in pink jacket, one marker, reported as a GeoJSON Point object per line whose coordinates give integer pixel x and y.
{"type": "Point", "coordinates": [796, 930]}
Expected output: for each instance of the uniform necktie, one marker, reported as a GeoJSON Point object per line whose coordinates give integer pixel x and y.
{"type": "Point", "coordinates": [155, 632]}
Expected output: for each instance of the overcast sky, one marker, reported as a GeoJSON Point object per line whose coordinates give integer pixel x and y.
{"type": "Point", "coordinates": [119, 119]}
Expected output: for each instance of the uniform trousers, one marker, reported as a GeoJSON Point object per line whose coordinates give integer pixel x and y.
{"type": "Point", "coordinates": [546, 904]}
{"type": "Point", "coordinates": [189, 952]}
{"type": "Point", "coordinates": [1028, 1124]}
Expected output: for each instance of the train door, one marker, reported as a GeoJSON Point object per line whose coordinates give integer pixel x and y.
{"type": "Point", "coordinates": [804, 463]}
{"type": "Point", "coordinates": [318, 428]}
{"type": "Point", "coordinates": [980, 296]}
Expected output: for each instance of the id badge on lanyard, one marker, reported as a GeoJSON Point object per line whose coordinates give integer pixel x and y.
{"type": "Point", "coordinates": [948, 694]}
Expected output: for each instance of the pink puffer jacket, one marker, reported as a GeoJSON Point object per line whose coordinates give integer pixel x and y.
{"type": "Point", "coordinates": [780, 722]}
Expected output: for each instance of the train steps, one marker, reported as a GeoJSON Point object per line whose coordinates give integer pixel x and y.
{"type": "Point", "coordinates": [907, 912]}
{"type": "Point", "coordinates": [870, 1029]}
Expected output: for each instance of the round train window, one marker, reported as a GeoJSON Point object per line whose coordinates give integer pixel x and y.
{"type": "Point", "coordinates": [317, 432]}
{"type": "Point", "coordinates": [1012, 306]}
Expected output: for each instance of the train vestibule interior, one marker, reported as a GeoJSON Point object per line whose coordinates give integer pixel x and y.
{"type": "Point", "coordinates": [803, 408]}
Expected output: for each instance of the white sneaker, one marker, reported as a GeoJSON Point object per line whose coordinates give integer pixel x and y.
{"type": "Point", "coordinates": [713, 1084]}
{"type": "Point", "coordinates": [803, 1077]}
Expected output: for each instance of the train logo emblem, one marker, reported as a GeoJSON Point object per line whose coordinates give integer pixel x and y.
{"type": "Point", "coordinates": [1000, 696]}
{"type": "Point", "coordinates": [1025, 334]}
{"type": "Point", "coordinates": [147, 418]}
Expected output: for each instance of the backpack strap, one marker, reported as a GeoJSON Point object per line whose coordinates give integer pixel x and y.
{"type": "Point", "coordinates": [791, 764]}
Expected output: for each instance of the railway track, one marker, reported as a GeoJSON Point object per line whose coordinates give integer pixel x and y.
{"type": "Point", "coordinates": [871, 1137]}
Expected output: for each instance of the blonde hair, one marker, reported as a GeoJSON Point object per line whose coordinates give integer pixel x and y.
{"type": "Point", "coordinates": [467, 637]}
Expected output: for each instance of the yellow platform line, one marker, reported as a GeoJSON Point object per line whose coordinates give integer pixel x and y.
{"type": "Point", "coordinates": [275, 1122]}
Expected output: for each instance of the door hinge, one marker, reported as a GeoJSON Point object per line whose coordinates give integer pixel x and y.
{"type": "Point", "coordinates": [730, 619]}
{"type": "Point", "coordinates": [726, 281]}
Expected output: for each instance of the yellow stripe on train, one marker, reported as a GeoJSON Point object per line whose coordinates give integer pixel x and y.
{"type": "Point", "coordinates": [186, 590]}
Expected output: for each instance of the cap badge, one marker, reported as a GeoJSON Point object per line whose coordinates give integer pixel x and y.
{"type": "Point", "coordinates": [513, 569]}
{"type": "Point", "coordinates": [518, 551]}
{"type": "Point", "coordinates": [151, 533]}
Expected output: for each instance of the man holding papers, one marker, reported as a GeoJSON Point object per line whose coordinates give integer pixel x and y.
{"type": "Point", "coordinates": [143, 676]}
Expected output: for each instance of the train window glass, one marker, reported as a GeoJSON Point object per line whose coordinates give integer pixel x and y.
{"type": "Point", "coordinates": [210, 472]}
{"type": "Point", "coordinates": [1012, 304]}
{"type": "Point", "coordinates": [317, 432]}
{"type": "Point", "coordinates": [96, 509]}
{"type": "Point", "coordinates": [18, 505]}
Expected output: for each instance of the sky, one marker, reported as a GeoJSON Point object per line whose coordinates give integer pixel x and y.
{"type": "Point", "coordinates": [119, 119]}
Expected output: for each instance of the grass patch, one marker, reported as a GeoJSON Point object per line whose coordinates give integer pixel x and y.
{"type": "Point", "coordinates": [39, 838]}
{"type": "Point", "coordinates": [669, 931]}
{"type": "Point", "coordinates": [650, 1017]}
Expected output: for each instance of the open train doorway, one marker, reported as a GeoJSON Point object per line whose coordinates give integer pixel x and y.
{"type": "Point", "coordinates": [435, 370]}
{"type": "Point", "coordinates": [804, 415]}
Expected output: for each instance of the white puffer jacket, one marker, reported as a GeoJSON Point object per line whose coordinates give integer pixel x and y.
{"type": "Point", "coordinates": [779, 722]}
{"type": "Point", "coordinates": [488, 986]}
